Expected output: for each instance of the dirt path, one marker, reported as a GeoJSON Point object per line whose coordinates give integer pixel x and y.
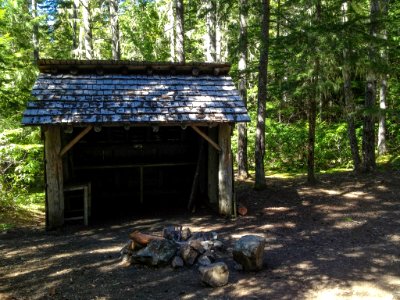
{"type": "Point", "coordinates": [337, 240]}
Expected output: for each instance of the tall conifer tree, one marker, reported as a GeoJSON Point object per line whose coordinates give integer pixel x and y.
{"type": "Point", "coordinates": [262, 97]}
{"type": "Point", "coordinates": [241, 157]}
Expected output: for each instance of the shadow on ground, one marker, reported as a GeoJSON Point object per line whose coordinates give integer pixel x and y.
{"type": "Point", "coordinates": [338, 239]}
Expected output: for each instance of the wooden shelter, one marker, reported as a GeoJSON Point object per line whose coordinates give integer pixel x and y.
{"type": "Point", "coordinates": [120, 135]}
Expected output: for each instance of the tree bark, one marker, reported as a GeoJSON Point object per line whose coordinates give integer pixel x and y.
{"type": "Point", "coordinates": [211, 39]}
{"type": "Point", "coordinates": [262, 97]}
{"type": "Point", "coordinates": [350, 115]}
{"type": "Point", "coordinates": [114, 22]}
{"type": "Point", "coordinates": [312, 120]}
{"type": "Point", "coordinates": [350, 108]}
{"type": "Point", "coordinates": [368, 142]}
{"type": "Point", "coordinates": [171, 28]}
{"type": "Point", "coordinates": [242, 160]}
{"type": "Point", "coordinates": [87, 29]}
{"type": "Point", "coordinates": [180, 31]}
{"type": "Point", "coordinates": [312, 105]}
{"type": "Point", "coordinates": [35, 31]}
{"type": "Point", "coordinates": [382, 148]}
{"type": "Point", "coordinates": [75, 36]}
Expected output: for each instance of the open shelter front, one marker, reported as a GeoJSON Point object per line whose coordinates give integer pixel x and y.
{"type": "Point", "coordinates": [121, 136]}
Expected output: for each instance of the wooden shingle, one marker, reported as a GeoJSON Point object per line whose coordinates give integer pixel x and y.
{"type": "Point", "coordinates": [112, 98]}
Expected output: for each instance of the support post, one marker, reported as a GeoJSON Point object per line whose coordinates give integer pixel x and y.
{"type": "Point", "coordinates": [54, 178]}
{"type": "Point", "coordinates": [225, 174]}
{"type": "Point", "coordinates": [212, 168]}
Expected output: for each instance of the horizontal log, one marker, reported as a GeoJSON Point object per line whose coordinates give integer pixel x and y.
{"type": "Point", "coordinates": [142, 238]}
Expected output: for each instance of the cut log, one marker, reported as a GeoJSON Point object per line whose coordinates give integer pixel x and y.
{"type": "Point", "coordinates": [142, 238]}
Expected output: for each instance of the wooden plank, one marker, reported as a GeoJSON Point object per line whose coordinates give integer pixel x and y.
{"type": "Point", "coordinates": [225, 174]}
{"type": "Point", "coordinates": [54, 178]}
{"type": "Point", "coordinates": [212, 168]}
{"type": "Point", "coordinates": [196, 177]}
{"type": "Point", "coordinates": [207, 138]}
{"type": "Point", "coordinates": [75, 140]}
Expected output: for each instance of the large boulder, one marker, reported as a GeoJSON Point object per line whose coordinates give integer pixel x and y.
{"type": "Point", "coordinates": [214, 275]}
{"type": "Point", "coordinates": [249, 252]}
{"type": "Point", "coordinates": [156, 253]}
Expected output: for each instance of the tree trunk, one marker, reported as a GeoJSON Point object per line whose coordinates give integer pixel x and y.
{"type": "Point", "coordinates": [115, 42]}
{"type": "Point", "coordinates": [368, 142]}
{"type": "Point", "coordinates": [220, 56]}
{"type": "Point", "coordinates": [180, 31]}
{"type": "Point", "coordinates": [171, 28]}
{"type": "Point", "coordinates": [350, 114]}
{"type": "Point", "coordinates": [261, 98]}
{"type": "Point", "coordinates": [75, 33]}
{"type": "Point", "coordinates": [35, 31]}
{"type": "Point", "coordinates": [382, 148]}
{"type": "Point", "coordinates": [211, 38]}
{"type": "Point", "coordinates": [312, 120]}
{"type": "Point", "coordinates": [350, 108]}
{"type": "Point", "coordinates": [312, 105]}
{"type": "Point", "coordinates": [242, 68]}
{"type": "Point", "coordinates": [87, 29]}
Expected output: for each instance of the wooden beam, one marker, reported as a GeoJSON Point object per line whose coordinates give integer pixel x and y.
{"type": "Point", "coordinates": [54, 178]}
{"type": "Point", "coordinates": [75, 140]}
{"type": "Point", "coordinates": [207, 138]}
{"type": "Point", "coordinates": [225, 174]}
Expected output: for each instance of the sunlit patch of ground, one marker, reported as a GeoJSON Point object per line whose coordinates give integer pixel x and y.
{"type": "Point", "coordinates": [22, 216]}
{"type": "Point", "coordinates": [356, 291]}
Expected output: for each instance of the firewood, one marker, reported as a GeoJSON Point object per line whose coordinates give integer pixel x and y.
{"type": "Point", "coordinates": [142, 238]}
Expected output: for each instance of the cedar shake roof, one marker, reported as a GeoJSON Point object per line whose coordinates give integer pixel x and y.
{"type": "Point", "coordinates": [70, 92]}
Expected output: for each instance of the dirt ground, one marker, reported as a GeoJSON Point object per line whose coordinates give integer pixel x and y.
{"type": "Point", "coordinates": [339, 239]}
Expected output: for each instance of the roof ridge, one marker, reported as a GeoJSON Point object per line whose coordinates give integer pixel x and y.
{"type": "Point", "coordinates": [75, 66]}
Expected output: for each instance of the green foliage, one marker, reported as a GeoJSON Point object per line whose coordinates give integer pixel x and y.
{"type": "Point", "coordinates": [21, 165]}
{"type": "Point", "coordinates": [286, 146]}
{"type": "Point", "coordinates": [332, 148]}
{"type": "Point", "coordinates": [143, 25]}
{"type": "Point", "coordinates": [17, 72]}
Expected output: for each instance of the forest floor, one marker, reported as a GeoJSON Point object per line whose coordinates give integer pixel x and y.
{"type": "Point", "coordinates": [339, 239]}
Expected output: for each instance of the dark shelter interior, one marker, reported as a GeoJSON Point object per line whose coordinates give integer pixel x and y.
{"type": "Point", "coordinates": [132, 170]}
